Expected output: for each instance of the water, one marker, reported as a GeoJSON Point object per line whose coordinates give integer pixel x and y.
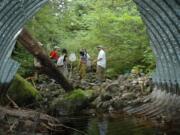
{"type": "Point", "coordinates": [115, 125]}
{"type": "Point", "coordinates": [104, 124]}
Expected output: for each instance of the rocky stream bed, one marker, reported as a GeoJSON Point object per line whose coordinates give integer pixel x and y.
{"type": "Point", "coordinates": [88, 98]}
{"type": "Point", "coordinates": [111, 95]}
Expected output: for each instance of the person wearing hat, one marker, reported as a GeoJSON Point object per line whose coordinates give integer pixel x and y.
{"type": "Point", "coordinates": [101, 64]}
{"type": "Point", "coordinates": [54, 54]}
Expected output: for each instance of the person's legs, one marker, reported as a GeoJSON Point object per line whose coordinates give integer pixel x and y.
{"type": "Point", "coordinates": [63, 71]}
{"type": "Point", "coordinates": [82, 71]}
{"type": "Point", "coordinates": [85, 70]}
{"type": "Point", "coordinates": [100, 74]}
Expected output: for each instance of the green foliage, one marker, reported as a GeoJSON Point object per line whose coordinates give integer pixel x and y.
{"type": "Point", "coordinates": [21, 55]}
{"type": "Point", "coordinates": [78, 95]}
{"type": "Point", "coordinates": [78, 24]}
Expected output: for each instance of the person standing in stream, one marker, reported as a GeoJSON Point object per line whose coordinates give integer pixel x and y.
{"type": "Point", "coordinates": [101, 64]}
{"type": "Point", "coordinates": [82, 64]}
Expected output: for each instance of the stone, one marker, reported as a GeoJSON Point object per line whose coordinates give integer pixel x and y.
{"type": "Point", "coordinates": [134, 82]}
{"type": "Point", "coordinates": [121, 78]}
{"type": "Point", "coordinates": [72, 102]}
{"type": "Point", "coordinates": [118, 104]}
{"type": "Point", "coordinates": [28, 124]}
{"type": "Point", "coordinates": [105, 97]}
{"type": "Point", "coordinates": [110, 109]}
{"type": "Point", "coordinates": [22, 92]}
{"type": "Point", "coordinates": [113, 87]}
{"type": "Point", "coordinates": [96, 101]}
{"type": "Point", "coordinates": [104, 85]}
{"type": "Point", "coordinates": [108, 81]}
{"type": "Point", "coordinates": [106, 105]}
{"type": "Point", "coordinates": [96, 87]}
{"type": "Point", "coordinates": [128, 96]}
{"type": "Point", "coordinates": [122, 87]}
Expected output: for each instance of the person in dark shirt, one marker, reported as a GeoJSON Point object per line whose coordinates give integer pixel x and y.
{"type": "Point", "coordinates": [82, 64]}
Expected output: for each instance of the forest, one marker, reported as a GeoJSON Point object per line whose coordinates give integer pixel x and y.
{"type": "Point", "coordinates": [80, 24]}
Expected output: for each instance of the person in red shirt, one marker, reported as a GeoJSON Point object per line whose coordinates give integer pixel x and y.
{"type": "Point", "coordinates": [54, 54]}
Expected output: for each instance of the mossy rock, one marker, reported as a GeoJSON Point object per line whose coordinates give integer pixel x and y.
{"type": "Point", "coordinates": [22, 92]}
{"type": "Point", "coordinates": [72, 102]}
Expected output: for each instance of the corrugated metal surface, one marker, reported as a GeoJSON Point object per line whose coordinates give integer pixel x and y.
{"type": "Point", "coordinates": [162, 18]}
{"type": "Point", "coordinates": [13, 15]}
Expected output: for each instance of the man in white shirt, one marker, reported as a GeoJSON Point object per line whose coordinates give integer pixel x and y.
{"type": "Point", "coordinates": [101, 64]}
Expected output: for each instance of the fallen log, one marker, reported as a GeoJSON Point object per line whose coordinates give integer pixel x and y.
{"type": "Point", "coordinates": [33, 46]}
{"type": "Point", "coordinates": [27, 114]}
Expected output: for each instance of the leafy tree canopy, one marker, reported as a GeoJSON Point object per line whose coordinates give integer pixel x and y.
{"type": "Point", "coordinates": [115, 24]}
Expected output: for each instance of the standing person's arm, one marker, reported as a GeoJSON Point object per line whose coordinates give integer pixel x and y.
{"type": "Point", "coordinates": [99, 59]}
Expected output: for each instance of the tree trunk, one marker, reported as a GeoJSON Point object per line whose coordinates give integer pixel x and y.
{"type": "Point", "coordinates": [32, 45]}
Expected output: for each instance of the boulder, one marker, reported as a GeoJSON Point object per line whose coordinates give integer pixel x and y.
{"type": "Point", "coordinates": [105, 97]}
{"type": "Point", "coordinates": [128, 96]}
{"type": "Point", "coordinates": [122, 88]}
{"type": "Point", "coordinates": [113, 87]}
{"type": "Point", "coordinates": [121, 78]}
{"type": "Point", "coordinates": [108, 81]}
{"type": "Point", "coordinates": [96, 87]}
{"type": "Point", "coordinates": [22, 92]}
{"type": "Point", "coordinates": [118, 104]}
{"type": "Point", "coordinates": [72, 102]}
{"type": "Point", "coordinates": [105, 105]}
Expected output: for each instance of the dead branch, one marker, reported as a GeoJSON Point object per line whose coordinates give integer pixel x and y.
{"type": "Point", "coordinates": [67, 127]}
{"type": "Point", "coordinates": [27, 114]}
{"type": "Point", "coordinates": [12, 101]}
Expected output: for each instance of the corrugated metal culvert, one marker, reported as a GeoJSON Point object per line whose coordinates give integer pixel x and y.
{"type": "Point", "coordinates": [13, 15]}
{"type": "Point", "coordinates": [162, 18]}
